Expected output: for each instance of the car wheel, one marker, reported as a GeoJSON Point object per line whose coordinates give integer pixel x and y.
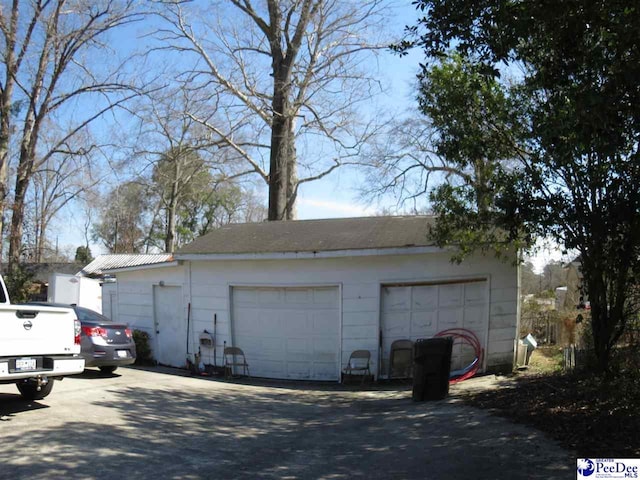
{"type": "Point", "coordinates": [29, 390]}
{"type": "Point", "coordinates": [109, 369]}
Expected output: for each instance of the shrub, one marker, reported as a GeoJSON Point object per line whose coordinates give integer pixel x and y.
{"type": "Point", "coordinates": [18, 282]}
{"type": "Point", "coordinates": [144, 354]}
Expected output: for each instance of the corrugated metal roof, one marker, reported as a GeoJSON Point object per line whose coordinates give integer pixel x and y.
{"type": "Point", "coordinates": [314, 236]}
{"type": "Point", "coordinates": [109, 262]}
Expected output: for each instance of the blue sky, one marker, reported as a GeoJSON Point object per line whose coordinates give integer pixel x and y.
{"type": "Point", "coordinates": [337, 195]}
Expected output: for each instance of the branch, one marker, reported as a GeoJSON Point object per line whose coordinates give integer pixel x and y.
{"type": "Point", "coordinates": [187, 33]}
{"type": "Point", "coordinates": [83, 124]}
{"type": "Point", "coordinates": [229, 141]}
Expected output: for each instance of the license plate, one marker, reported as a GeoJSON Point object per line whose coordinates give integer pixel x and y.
{"type": "Point", "coordinates": [122, 353]}
{"type": "Point", "coordinates": [23, 364]}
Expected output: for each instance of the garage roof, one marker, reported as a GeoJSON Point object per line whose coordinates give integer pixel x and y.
{"type": "Point", "coordinates": [103, 263]}
{"type": "Point", "coordinates": [314, 236]}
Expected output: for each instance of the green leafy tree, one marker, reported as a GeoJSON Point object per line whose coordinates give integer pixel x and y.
{"type": "Point", "coordinates": [477, 135]}
{"type": "Point", "coordinates": [83, 255]}
{"type": "Point", "coordinates": [223, 203]}
{"type": "Point", "coordinates": [465, 142]}
{"type": "Point", "coordinates": [19, 281]}
{"type": "Point", "coordinates": [579, 65]}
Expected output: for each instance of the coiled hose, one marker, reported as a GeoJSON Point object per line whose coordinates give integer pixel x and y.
{"type": "Point", "coordinates": [464, 337]}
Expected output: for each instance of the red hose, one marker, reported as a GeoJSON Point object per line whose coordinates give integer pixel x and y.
{"type": "Point", "coordinates": [464, 336]}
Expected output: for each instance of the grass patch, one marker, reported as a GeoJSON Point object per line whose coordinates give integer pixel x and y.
{"type": "Point", "coordinates": [546, 359]}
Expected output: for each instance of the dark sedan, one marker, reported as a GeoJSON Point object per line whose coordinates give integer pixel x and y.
{"type": "Point", "coordinates": [104, 344]}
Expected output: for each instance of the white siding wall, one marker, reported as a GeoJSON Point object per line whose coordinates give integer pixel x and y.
{"type": "Point", "coordinates": [135, 295]}
{"type": "Point", "coordinates": [360, 279]}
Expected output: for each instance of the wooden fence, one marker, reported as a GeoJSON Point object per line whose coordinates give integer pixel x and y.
{"type": "Point", "coordinates": [542, 325]}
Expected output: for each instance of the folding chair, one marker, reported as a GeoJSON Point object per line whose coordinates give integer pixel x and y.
{"type": "Point", "coordinates": [234, 357]}
{"type": "Point", "coordinates": [401, 359]}
{"type": "Point", "coordinates": [358, 364]}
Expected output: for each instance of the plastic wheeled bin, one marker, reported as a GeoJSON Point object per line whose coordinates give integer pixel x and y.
{"type": "Point", "coordinates": [431, 368]}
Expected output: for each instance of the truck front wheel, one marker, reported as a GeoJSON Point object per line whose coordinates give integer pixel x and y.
{"type": "Point", "coordinates": [29, 389]}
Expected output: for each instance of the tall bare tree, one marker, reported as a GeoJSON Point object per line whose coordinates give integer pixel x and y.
{"type": "Point", "coordinates": [58, 183]}
{"type": "Point", "coordinates": [185, 162]}
{"type": "Point", "coordinates": [54, 55]}
{"type": "Point", "coordinates": [179, 175]}
{"type": "Point", "coordinates": [123, 225]}
{"type": "Point", "coordinates": [278, 76]}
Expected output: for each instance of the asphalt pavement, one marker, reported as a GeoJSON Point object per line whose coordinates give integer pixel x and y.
{"type": "Point", "coordinates": [159, 424]}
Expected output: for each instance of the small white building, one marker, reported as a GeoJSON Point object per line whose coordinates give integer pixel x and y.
{"type": "Point", "coordinates": [299, 296]}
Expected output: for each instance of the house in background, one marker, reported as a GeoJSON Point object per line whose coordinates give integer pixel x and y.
{"type": "Point", "coordinates": [299, 296]}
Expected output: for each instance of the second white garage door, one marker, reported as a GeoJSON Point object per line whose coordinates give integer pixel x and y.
{"type": "Point", "coordinates": [290, 333]}
{"type": "Point", "coordinates": [420, 311]}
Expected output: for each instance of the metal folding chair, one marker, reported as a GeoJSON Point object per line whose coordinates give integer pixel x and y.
{"type": "Point", "coordinates": [234, 357]}
{"type": "Point", "coordinates": [401, 359]}
{"type": "Point", "coordinates": [358, 364]}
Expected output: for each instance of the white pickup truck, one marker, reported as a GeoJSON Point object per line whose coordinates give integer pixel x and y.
{"type": "Point", "coordinates": [37, 346]}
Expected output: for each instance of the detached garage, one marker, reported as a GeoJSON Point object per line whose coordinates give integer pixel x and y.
{"type": "Point", "coordinates": [299, 296]}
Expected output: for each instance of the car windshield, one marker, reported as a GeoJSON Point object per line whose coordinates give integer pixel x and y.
{"type": "Point", "coordinates": [86, 315]}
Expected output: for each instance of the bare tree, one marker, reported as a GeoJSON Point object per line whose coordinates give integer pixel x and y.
{"type": "Point", "coordinates": [179, 174]}
{"type": "Point", "coordinates": [460, 147]}
{"type": "Point", "coordinates": [58, 183]}
{"type": "Point", "coordinates": [54, 56]}
{"type": "Point", "coordinates": [404, 161]}
{"type": "Point", "coordinates": [279, 77]}
{"type": "Point", "coordinates": [88, 204]}
{"type": "Point", "coordinates": [185, 163]}
{"type": "Point", "coordinates": [124, 218]}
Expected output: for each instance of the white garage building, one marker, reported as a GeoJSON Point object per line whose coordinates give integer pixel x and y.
{"type": "Point", "coordinates": [299, 296]}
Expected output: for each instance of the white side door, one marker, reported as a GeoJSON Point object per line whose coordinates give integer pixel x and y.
{"type": "Point", "coordinates": [170, 326]}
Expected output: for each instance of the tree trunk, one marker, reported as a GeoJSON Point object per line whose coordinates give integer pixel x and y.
{"type": "Point", "coordinates": [17, 220]}
{"type": "Point", "coordinates": [5, 130]}
{"type": "Point", "coordinates": [292, 176]}
{"type": "Point", "coordinates": [25, 170]}
{"type": "Point", "coordinates": [5, 117]}
{"type": "Point", "coordinates": [37, 244]}
{"type": "Point", "coordinates": [172, 207]}
{"type": "Point", "coordinates": [169, 244]}
{"type": "Point", "coordinates": [3, 188]}
{"type": "Point", "coordinates": [608, 297]}
{"type": "Point", "coordinates": [281, 146]}
{"type": "Point", "coordinates": [483, 197]}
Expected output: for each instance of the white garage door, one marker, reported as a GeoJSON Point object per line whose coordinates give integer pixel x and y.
{"type": "Point", "coordinates": [289, 333]}
{"type": "Point", "coordinates": [420, 311]}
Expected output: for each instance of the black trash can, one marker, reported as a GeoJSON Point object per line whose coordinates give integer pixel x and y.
{"type": "Point", "coordinates": [431, 368]}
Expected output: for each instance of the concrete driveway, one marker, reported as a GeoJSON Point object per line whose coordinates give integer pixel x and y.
{"type": "Point", "coordinates": [147, 424]}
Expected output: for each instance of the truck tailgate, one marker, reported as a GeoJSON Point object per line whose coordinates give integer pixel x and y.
{"type": "Point", "coordinates": [37, 330]}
